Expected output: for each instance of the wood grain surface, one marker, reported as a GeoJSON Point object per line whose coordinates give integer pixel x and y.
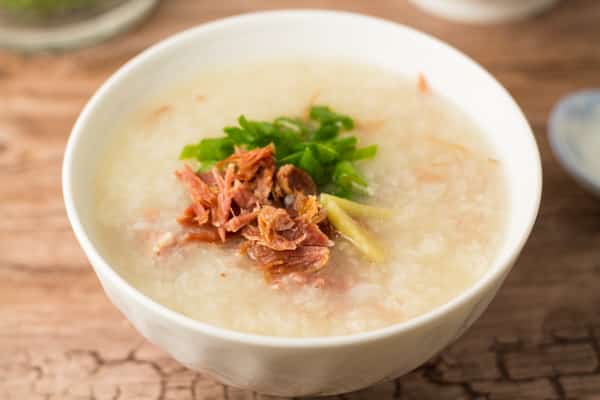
{"type": "Point", "coordinates": [60, 338]}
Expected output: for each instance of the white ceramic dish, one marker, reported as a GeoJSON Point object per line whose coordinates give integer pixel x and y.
{"type": "Point", "coordinates": [573, 136]}
{"type": "Point", "coordinates": [485, 11]}
{"type": "Point", "coordinates": [301, 366]}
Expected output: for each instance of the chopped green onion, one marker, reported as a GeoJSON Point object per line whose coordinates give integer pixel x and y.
{"type": "Point", "coordinates": [189, 151]}
{"type": "Point", "coordinates": [206, 165]}
{"type": "Point", "coordinates": [365, 153]}
{"type": "Point", "coordinates": [326, 116]}
{"type": "Point", "coordinates": [209, 149]}
{"type": "Point", "coordinates": [238, 136]}
{"type": "Point", "coordinates": [345, 146]}
{"type": "Point", "coordinates": [326, 153]}
{"type": "Point", "coordinates": [293, 124]}
{"type": "Point", "coordinates": [325, 132]}
{"type": "Point", "coordinates": [348, 180]}
{"type": "Point", "coordinates": [314, 145]}
{"type": "Point", "coordinates": [293, 158]}
{"type": "Point", "coordinates": [311, 164]}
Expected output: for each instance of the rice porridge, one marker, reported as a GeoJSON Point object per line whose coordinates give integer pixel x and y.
{"type": "Point", "coordinates": [433, 170]}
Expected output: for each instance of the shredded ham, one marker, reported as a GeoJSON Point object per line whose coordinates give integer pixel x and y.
{"type": "Point", "coordinates": [264, 183]}
{"type": "Point", "coordinates": [188, 216]}
{"type": "Point", "coordinates": [276, 230]}
{"type": "Point", "coordinates": [243, 195]}
{"type": "Point", "coordinates": [292, 180]}
{"type": "Point", "coordinates": [276, 212]}
{"type": "Point", "coordinates": [200, 234]}
{"type": "Point", "coordinates": [314, 236]}
{"type": "Point", "coordinates": [239, 221]}
{"type": "Point", "coordinates": [422, 84]}
{"type": "Point", "coordinates": [169, 240]}
{"type": "Point", "coordinates": [241, 182]}
{"type": "Point", "coordinates": [307, 208]}
{"type": "Point", "coordinates": [248, 162]}
{"type": "Point", "coordinates": [282, 244]}
{"type": "Point", "coordinates": [304, 259]}
{"type": "Point", "coordinates": [222, 212]}
{"type": "Point", "coordinates": [199, 190]}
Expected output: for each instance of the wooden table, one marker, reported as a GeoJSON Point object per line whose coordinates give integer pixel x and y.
{"type": "Point", "coordinates": [61, 339]}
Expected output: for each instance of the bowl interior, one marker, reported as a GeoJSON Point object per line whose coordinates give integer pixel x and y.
{"type": "Point", "coordinates": [312, 34]}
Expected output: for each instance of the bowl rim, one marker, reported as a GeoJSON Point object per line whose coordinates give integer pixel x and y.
{"type": "Point", "coordinates": [562, 150]}
{"type": "Point", "coordinates": [102, 267]}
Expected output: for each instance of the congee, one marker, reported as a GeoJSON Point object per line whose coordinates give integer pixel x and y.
{"type": "Point", "coordinates": [300, 198]}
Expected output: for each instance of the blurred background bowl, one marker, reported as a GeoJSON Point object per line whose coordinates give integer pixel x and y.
{"type": "Point", "coordinates": [485, 11]}
{"type": "Point", "coordinates": [36, 25]}
{"type": "Point", "coordinates": [574, 136]}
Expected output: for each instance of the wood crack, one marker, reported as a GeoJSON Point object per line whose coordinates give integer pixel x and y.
{"type": "Point", "coordinates": [27, 269]}
{"type": "Point", "coordinates": [432, 373]}
{"type": "Point", "coordinates": [595, 345]}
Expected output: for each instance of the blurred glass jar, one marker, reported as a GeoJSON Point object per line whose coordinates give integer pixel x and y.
{"type": "Point", "coordinates": [34, 25]}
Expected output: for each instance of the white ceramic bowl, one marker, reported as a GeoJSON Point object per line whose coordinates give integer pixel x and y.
{"type": "Point", "coordinates": [301, 366]}
{"type": "Point", "coordinates": [485, 11]}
